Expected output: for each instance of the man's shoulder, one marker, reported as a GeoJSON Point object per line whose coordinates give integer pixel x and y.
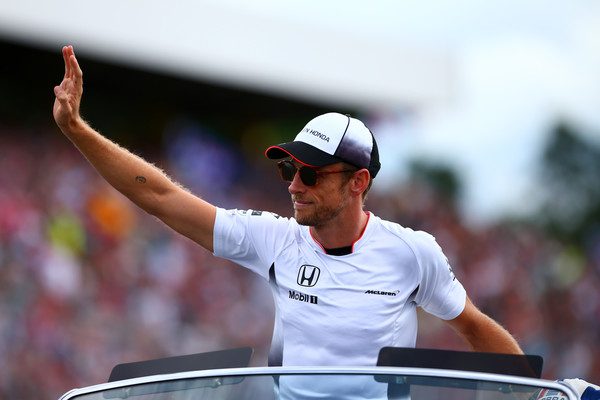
{"type": "Point", "coordinates": [255, 218]}
{"type": "Point", "coordinates": [396, 229]}
{"type": "Point", "coordinates": [252, 213]}
{"type": "Point", "coordinates": [415, 239]}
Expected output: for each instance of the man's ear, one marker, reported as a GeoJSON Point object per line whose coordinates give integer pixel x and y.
{"type": "Point", "coordinates": [359, 182]}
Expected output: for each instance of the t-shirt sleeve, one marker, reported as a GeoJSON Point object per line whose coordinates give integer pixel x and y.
{"type": "Point", "coordinates": [439, 293]}
{"type": "Point", "coordinates": [249, 238]}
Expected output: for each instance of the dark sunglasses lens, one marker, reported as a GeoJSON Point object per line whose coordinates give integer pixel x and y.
{"type": "Point", "coordinates": [287, 170]}
{"type": "Point", "coordinates": [308, 176]}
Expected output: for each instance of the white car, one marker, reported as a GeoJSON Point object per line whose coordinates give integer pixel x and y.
{"type": "Point", "coordinates": [223, 376]}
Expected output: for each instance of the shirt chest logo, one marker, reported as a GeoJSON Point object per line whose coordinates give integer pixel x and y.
{"type": "Point", "coordinates": [308, 275]}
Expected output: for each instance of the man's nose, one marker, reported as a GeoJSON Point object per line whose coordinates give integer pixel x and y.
{"type": "Point", "coordinates": [296, 185]}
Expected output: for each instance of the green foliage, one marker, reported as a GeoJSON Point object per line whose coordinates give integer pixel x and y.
{"type": "Point", "coordinates": [442, 179]}
{"type": "Point", "coordinates": [570, 180]}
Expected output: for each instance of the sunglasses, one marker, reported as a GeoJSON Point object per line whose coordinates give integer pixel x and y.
{"type": "Point", "coordinates": [308, 175]}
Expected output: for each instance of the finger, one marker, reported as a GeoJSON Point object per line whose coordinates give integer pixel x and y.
{"type": "Point", "coordinates": [72, 69]}
{"type": "Point", "coordinates": [64, 53]}
{"type": "Point", "coordinates": [77, 73]}
{"type": "Point", "coordinates": [66, 60]}
{"type": "Point", "coordinates": [75, 66]}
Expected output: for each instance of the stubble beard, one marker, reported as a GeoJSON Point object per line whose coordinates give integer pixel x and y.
{"type": "Point", "coordinates": [320, 217]}
{"type": "Point", "coordinates": [322, 214]}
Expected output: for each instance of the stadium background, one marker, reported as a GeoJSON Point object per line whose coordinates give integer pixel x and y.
{"type": "Point", "coordinates": [88, 281]}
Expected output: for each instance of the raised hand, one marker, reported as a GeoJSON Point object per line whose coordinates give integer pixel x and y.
{"type": "Point", "coordinates": [68, 93]}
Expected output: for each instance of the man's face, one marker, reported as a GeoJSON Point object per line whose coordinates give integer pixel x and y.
{"type": "Point", "coordinates": [319, 204]}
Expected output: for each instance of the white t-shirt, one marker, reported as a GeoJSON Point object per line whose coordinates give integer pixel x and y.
{"type": "Point", "coordinates": [340, 310]}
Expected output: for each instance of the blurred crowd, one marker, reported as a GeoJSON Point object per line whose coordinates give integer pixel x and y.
{"type": "Point", "coordinates": [88, 281]}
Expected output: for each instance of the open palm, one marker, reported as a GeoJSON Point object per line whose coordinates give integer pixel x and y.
{"type": "Point", "coordinates": [68, 93]}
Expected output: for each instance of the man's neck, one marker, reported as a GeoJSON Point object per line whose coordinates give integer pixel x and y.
{"type": "Point", "coordinates": [343, 231]}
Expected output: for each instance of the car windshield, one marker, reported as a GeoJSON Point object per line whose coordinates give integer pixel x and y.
{"type": "Point", "coordinates": [307, 385]}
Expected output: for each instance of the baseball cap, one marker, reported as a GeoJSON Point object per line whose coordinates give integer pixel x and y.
{"type": "Point", "coordinates": [331, 138]}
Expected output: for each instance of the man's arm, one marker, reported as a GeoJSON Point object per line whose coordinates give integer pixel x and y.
{"type": "Point", "coordinates": [486, 335]}
{"type": "Point", "coordinates": [144, 184]}
{"type": "Point", "coordinates": [483, 333]}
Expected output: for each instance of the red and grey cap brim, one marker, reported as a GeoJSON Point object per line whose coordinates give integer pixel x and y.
{"type": "Point", "coordinates": [303, 153]}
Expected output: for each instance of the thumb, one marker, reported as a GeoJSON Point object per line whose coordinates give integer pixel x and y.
{"type": "Point", "coordinates": [61, 95]}
{"type": "Point", "coordinates": [58, 91]}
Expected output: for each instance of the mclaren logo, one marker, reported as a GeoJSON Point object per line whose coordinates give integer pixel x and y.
{"type": "Point", "coordinates": [381, 292]}
{"type": "Point", "coordinates": [308, 275]}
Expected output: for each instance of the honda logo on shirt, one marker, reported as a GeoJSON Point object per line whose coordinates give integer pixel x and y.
{"type": "Point", "coordinates": [308, 275]}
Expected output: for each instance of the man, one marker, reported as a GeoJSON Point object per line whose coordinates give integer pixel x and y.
{"type": "Point", "coordinates": [345, 282]}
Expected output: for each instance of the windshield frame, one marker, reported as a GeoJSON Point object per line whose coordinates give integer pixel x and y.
{"type": "Point", "coordinates": [253, 371]}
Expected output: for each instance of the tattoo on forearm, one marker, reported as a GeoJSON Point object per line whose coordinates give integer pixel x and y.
{"type": "Point", "coordinates": [140, 179]}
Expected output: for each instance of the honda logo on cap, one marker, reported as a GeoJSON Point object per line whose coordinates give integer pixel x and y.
{"type": "Point", "coordinates": [308, 275]}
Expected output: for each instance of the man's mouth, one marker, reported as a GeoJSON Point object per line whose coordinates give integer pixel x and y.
{"type": "Point", "coordinates": [300, 203]}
